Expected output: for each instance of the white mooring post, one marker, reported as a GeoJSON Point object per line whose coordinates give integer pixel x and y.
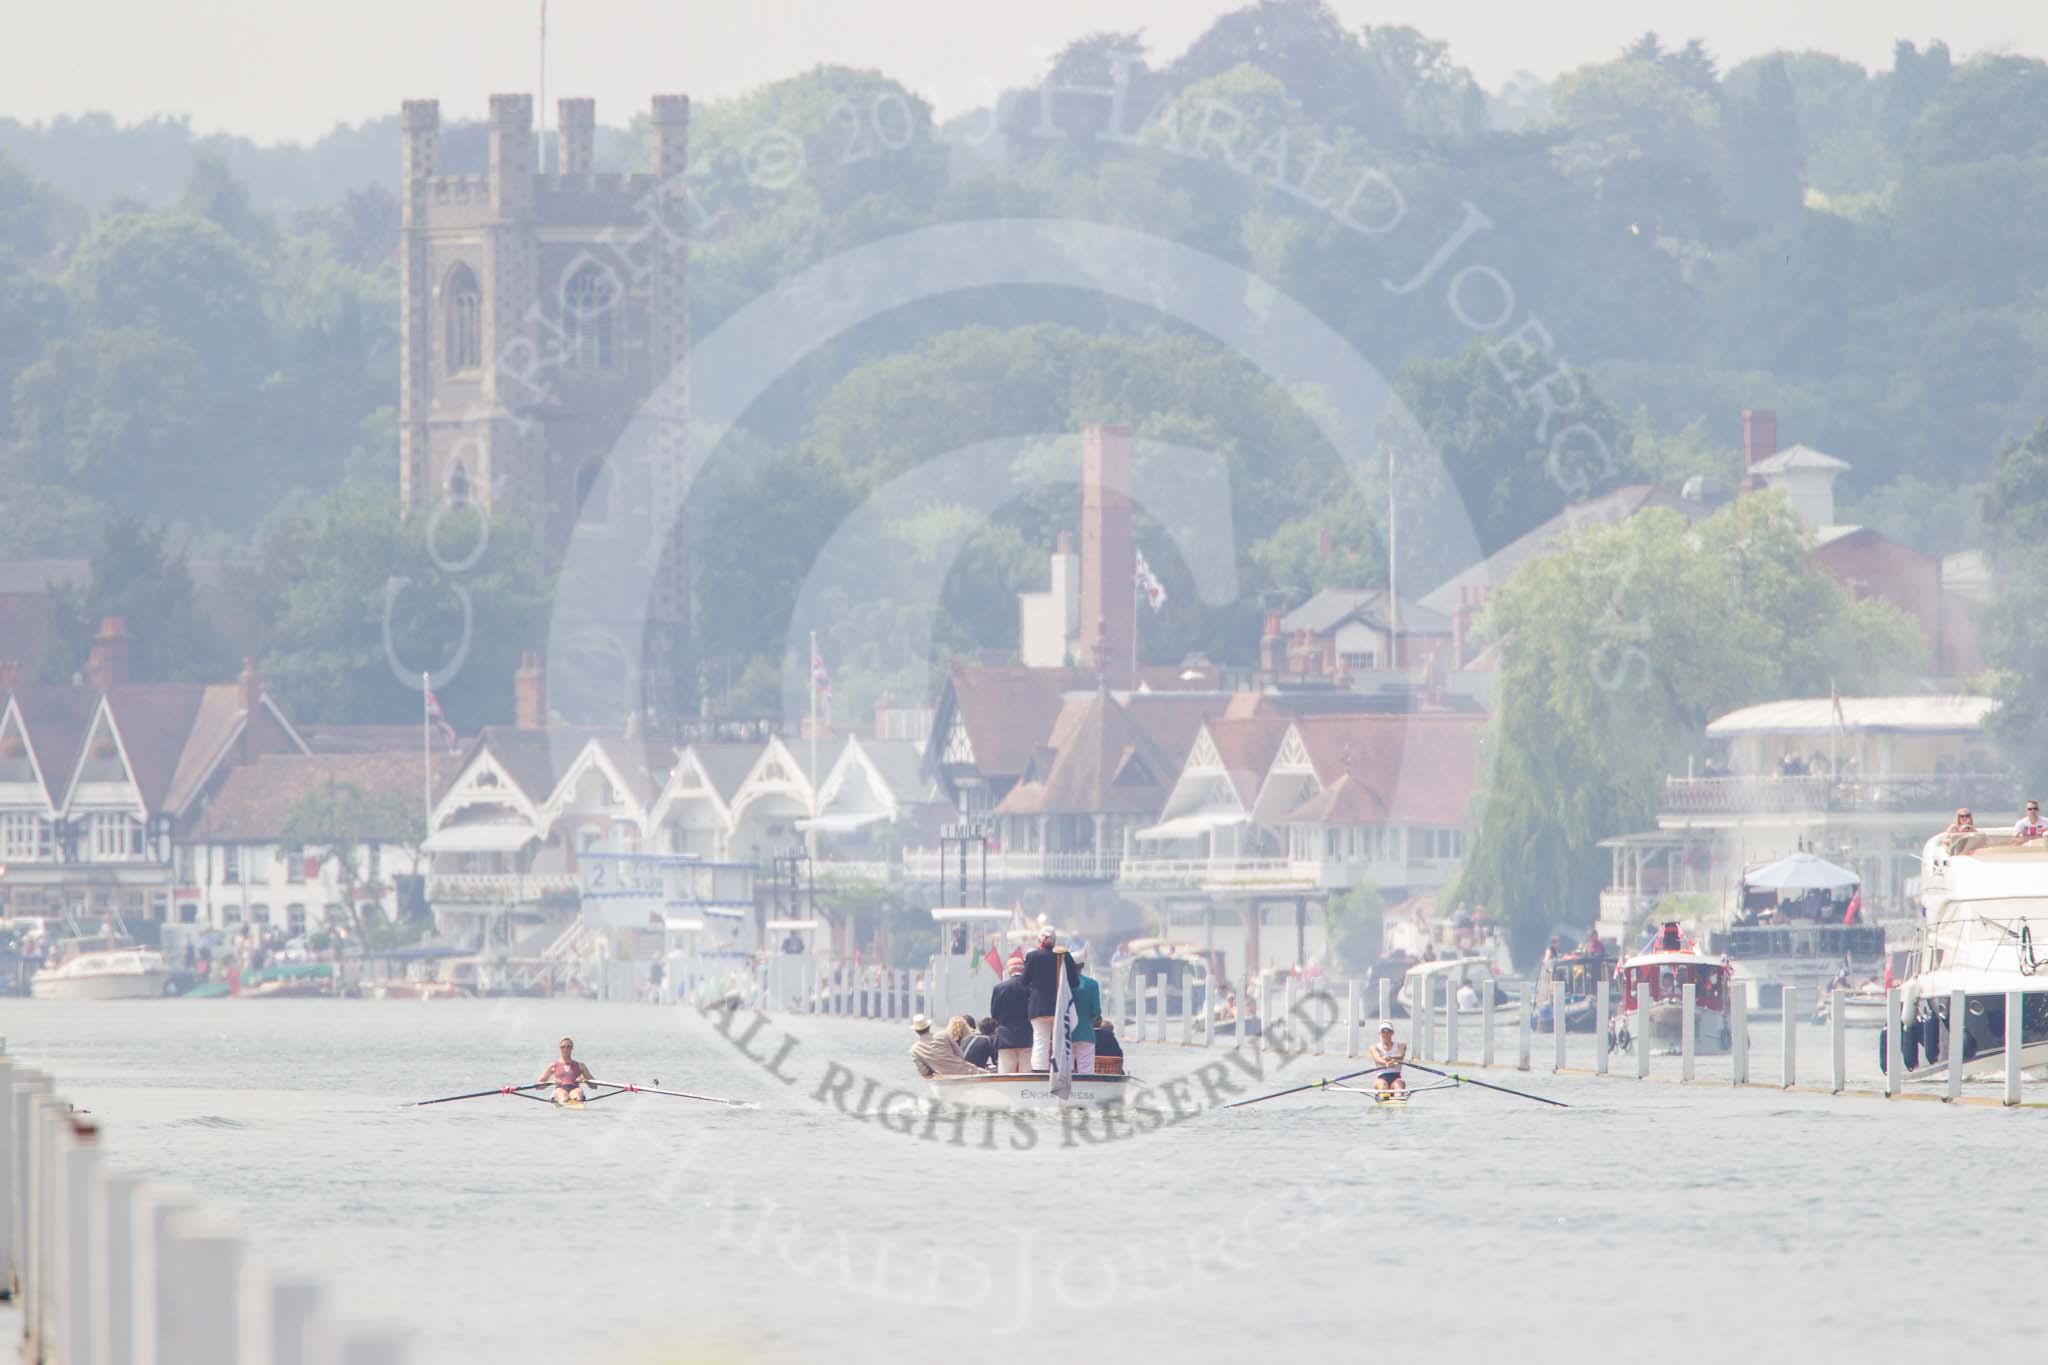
{"type": "Point", "coordinates": [1559, 1033]}
{"type": "Point", "coordinates": [113, 1278]}
{"type": "Point", "coordinates": [1293, 1004]}
{"type": "Point", "coordinates": [1522, 1010]}
{"type": "Point", "coordinates": [1354, 1005]}
{"type": "Point", "coordinates": [1642, 1033]}
{"type": "Point", "coordinates": [81, 1172]}
{"type": "Point", "coordinates": [1258, 1040]}
{"type": "Point", "coordinates": [1187, 1009]}
{"type": "Point", "coordinates": [1600, 1035]}
{"type": "Point", "coordinates": [1894, 1041]}
{"type": "Point", "coordinates": [2014, 1043]}
{"type": "Point", "coordinates": [296, 1317]}
{"type": "Point", "coordinates": [1420, 1024]}
{"type": "Point", "coordinates": [7, 1178]}
{"type": "Point", "coordinates": [199, 1266]}
{"type": "Point", "coordinates": [1450, 1022]}
{"type": "Point", "coordinates": [1486, 1024]}
{"type": "Point", "coordinates": [1386, 1003]}
{"type": "Point", "coordinates": [1788, 1036]}
{"type": "Point", "coordinates": [1838, 1043]}
{"type": "Point", "coordinates": [1688, 1029]}
{"type": "Point", "coordinates": [155, 1208]}
{"type": "Point", "coordinates": [1738, 1028]}
{"type": "Point", "coordinates": [1958, 1041]}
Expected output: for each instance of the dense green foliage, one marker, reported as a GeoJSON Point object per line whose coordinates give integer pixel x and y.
{"type": "Point", "coordinates": [2016, 636]}
{"type": "Point", "coordinates": [202, 333]}
{"type": "Point", "coordinates": [1614, 657]}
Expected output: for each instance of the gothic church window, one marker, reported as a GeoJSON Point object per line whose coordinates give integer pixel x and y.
{"type": "Point", "coordinates": [463, 304]}
{"type": "Point", "coordinates": [588, 311]}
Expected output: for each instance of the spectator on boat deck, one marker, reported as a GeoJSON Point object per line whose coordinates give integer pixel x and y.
{"type": "Point", "coordinates": [981, 1048]}
{"type": "Point", "coordinates": [1010, 1003]}
{"type": "Point", "coordinates": [1468, 996]}
{"type": "Point", "coordinates": [1960, 829]}
{"type": "Point", "coordinates": [933, 1054]}
{"type": "Point", "coordinates": [959, 1031]}
{"type": "Point", "coordinates": [1087, 1006]}
{"type": "Point", "coordinates": [794, 943]}
{"type": "Point", "coordinates": [1593, 943]}
{"type": "Point", "coordinates": [1109, 1053]}
{"type": "Point", "coordinates": [1042, 966]}
{"type": "Point", "coordinates": [2030, 826]}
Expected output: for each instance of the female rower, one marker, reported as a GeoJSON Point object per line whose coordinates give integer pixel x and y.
{"type": "Point", "coordinates": [568, 1074]}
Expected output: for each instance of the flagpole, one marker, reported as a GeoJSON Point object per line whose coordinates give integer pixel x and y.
{"type": "Point", "coordinates": [811, 666]}
{"type": "Point", "coordinates": [1134, 621]}
{"type": "Point", "coordinates": [426, 755]}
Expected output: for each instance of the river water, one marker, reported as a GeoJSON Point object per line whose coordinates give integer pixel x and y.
{"type": "Point", "coordinates": [1665, 1221]}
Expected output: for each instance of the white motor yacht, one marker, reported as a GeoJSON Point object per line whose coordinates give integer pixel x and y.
{"type": "Point", "coordinates": [123, 972]}
{"type": "Point", "coordinates": [1985, 934]}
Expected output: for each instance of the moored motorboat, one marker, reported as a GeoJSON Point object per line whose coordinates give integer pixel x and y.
{"type": "Point", "coordinates": [1667, 968]}
{"type": "Point", "coordinates": [120, 972]}
{"type": "Point", "coordinates": [1026, 1090]}
{"type": "Point", "coordinates": [1985, 935]}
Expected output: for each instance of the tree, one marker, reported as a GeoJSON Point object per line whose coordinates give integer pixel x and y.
{"type": "Point", "coordinates": [349, 603]}
{"type": "Point", "coordinates": [1617, 648]}
{"type": "Point", "coordinates": [2016, 638]}
{"type": "Point", "coordinates": [1916, 78]}
{"type": "Point", "coordinates": [33, 313]}
{"type": "Point", "coordinates": [180, 276]}
{"type": "Point", "coordinates": [138, 577]}
{"type": "Point", "coordinates": [121, 413]}
{"type": "Point", "coordinates": [1766, 153]}
{"type": "Point", "coordinates": [1992, 106]}
{"type": "Point", "coordinates": [342, 820]}
{"type": "Point", "coordinates": [1497, 446]}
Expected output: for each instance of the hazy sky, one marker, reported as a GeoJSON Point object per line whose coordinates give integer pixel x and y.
{"type": "Point", "coordinates": [291, 69]}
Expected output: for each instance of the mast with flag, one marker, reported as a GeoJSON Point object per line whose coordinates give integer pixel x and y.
{"type": "Point", "coordinates": [821, 692]}
{"type": "Point", "coordinates": [1062, 1082]}
{"type": "Point", "coordinates": [1146, 585]}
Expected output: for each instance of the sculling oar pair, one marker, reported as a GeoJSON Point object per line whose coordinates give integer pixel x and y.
{"type": "Point", "coordinates": [610, 1088]}
{"type": "Point", "coordinates": [1336, 1082]}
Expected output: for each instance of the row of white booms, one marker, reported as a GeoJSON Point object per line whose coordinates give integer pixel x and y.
{"type": "Point", "coordinates": [108, 1269]}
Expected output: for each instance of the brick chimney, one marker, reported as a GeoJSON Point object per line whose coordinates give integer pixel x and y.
{"type": "Point", "coordinates": [1759, 438]}
{"type": "Point", "coordinates": [107, 665]}
{"type": "Point", "coordinates": [1273, 644]}
{"type": "Point", "coordinates": [249, 685]}
{"type": "Point", "coordinates": [530, 694]}
{"type": "Point", "coordinates": [1108, 571]}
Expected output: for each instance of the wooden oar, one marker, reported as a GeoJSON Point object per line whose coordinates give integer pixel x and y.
{"type": "Point", "coordinates": [1296, 1090]}
{"type": "Point", "coordinates": [1486, 1085]}
{"type": "Point", "coordinates": [480, 1094]}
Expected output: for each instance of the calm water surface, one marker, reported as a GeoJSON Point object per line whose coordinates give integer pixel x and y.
{"type": "Point", "coordinates": [1697, 1222]}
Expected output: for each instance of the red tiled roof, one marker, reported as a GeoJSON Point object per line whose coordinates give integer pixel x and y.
{"type": "Point", "coordinates": [1102, 762]}
{"type": "Point", "coordinates": [1247, 745]}
{"type": "Point", "coordinates": [55, 720]}
{"type": "Point", "coordinates": [256, 801]}
{"type": "Point", "coordinates": [1391, 769]}
{"type": "Point", "coordinates": [1009, 709]}
{"type": "Point", "coordinates": [154, 721]}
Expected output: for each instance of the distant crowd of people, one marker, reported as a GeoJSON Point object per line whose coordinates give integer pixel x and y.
{"type": "Point", "coordinates": [1017, 1035]}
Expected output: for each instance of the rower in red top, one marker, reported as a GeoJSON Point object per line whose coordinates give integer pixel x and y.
{"type": "Point", "coordinates": [568, 1074]}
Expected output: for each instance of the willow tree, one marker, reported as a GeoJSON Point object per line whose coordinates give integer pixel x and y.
{"type": "Point", "coordinates": [1615, 651]}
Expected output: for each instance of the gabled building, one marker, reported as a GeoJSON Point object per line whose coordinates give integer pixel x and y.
{"type": "Point", "coordinates": [693, 814]}
{"type": "Point", "coordinates": [241, 860]}
{"type": "Point", "coordinates": [95, 779]}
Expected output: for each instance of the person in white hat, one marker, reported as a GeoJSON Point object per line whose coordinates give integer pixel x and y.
{"type": "Point", "coordinates": [1388, 1055]}
{"type": "Point", "coordinates": [934, 1054]}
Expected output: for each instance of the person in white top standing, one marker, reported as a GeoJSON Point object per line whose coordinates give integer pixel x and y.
{"type": "Point", "coordinates": [1388, 1056]}
{"type": "Point", "coordinates": [2030, 826]}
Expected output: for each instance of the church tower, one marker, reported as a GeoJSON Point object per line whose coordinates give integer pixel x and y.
{"type": "Point", "coordinates": [543, 313]}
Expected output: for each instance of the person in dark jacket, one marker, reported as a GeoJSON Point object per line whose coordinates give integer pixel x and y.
{"type": "Point", "coordinates": [981, 1048]}
{"type": "Point", "coordinates": [1010, 1003]}
{"type": "Point", "coordinates": [1109, 1053]}
{"type": "Point", "coordinates": [1042, 966]}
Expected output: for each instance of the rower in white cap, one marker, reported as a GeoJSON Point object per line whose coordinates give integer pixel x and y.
{"type": "Point", "coordinates": [1388, 1055]}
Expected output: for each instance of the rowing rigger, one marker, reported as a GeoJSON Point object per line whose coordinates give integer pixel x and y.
{"type": "Point", "coordinates": [1450, 1080]}
{"type": "Point", "coordinates": [605, 1089]}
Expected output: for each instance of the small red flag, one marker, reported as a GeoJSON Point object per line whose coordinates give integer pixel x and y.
{"type": "Point", "coordinates": [995, 963]}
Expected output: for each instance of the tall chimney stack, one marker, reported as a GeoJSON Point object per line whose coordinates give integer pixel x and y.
{"type": "Point", "coordinates": [530, 694]}
{"type": "Point", "coordinates": [1759, 438]}
{"type": "Point", "coordinates": [576, 136]}
{"type": "Point", "coordinates": [1109, 592]}
{"type": "Point", "coordinates": [107, 665]}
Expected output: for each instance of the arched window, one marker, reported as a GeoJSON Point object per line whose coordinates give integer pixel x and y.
{"type": "Point", "coordinates": [462, 307]}
{"type": "Point", "coordinates": [458, 486]}
{"type": "Point", "coordinates": [588, 307]}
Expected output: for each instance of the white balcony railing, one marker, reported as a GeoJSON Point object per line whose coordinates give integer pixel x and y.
{"type": "Point", "coordinates": [497, 888]}
{"type": "Point", "coordinates": [1055, 865]}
